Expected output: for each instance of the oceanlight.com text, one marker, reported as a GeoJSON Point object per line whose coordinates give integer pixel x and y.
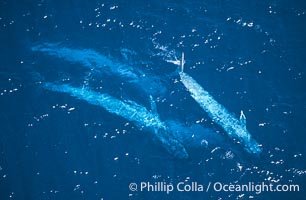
{"type": "Point", "coordinates": [252, 187]}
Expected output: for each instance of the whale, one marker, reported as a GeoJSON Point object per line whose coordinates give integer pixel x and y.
{"type": "Point", "coordinates": [130, 110]}
{"type": "Point", "coordinates": [102, 64]}
{"type": "Point", "coordinates": [219, 114]}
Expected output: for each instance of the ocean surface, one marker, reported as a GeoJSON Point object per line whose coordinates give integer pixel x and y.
{"type": "Point", "coordinates": [59, 59]}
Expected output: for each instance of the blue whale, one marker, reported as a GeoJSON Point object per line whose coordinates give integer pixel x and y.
{"type": "Point", "coordinates": [100, 63]}
{"type": "Point", "coordinates": [235, 128]}
{"type": "Point", "coordinates": [129, 110]}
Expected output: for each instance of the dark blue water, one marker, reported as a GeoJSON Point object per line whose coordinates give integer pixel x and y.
{"type": "Point", "coordinates": [249, 55]}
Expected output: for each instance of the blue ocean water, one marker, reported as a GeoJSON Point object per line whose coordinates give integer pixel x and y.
{"type": "Point", "coordinates": [249, 55]}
